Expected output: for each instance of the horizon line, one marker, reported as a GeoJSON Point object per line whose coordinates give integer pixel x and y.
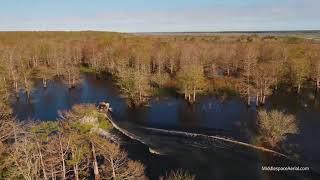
{"type": "Point", "coordinates": [152, 32]}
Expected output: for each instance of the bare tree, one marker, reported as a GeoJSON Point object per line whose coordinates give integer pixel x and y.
{"type": "Point", "coordinates": [24, 159]}
{"type": "Point", "coordinates": [71, 62]}
{"type": "Point", "coordinates": [249, 64]}
{"type": "Point", "coordinates": [118, 165]}
{"type": "Point", "coordinates": [274, 126]}
{"type": "Point", "coordinates": [179, 175]}
{"type": "Point", "coordinates": [300, 67]}
{"type": "Point", "coordinates": [135, 85]}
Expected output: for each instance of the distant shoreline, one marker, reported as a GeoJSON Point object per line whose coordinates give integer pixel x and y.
{"type": "Point", "coordinates": [306, 34]}
{"type": "Point", "coordinates": [317, 32]}
{"type": "Point", "coordinates": [178, 32]}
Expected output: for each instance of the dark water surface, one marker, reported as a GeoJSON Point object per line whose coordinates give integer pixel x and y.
{"type": "Point", "coordinates": [210, 116]}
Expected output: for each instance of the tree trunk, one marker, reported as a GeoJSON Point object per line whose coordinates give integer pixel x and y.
{"type": "Point", "coordinates": [248, 94]}
{"type": "Point", "coordinates": [42, 163]}
{"type": "Point", "coordinates": [15, 134]}
{"type": "Point", "coordinates": [69, 80]}
{"type": "Point", "coordinates": [299, 88]}
{"type": "Point", "coordinates": [28, 96]}
{"type": "Point", "coordinates": [63, 167]}
{"type": "Point", "coordinates": [52, 174]}
{"type": "Point", "coordinates": [16, 89]}
{"type": "Point", "coordinates": [76, 172]}
{"type": "Point", "coordinates": [26, 88]}
{"type": "Point", "coordinates": [264, 99]}
{"type": "Point", "coordinates": [113, 169]}
{"type": "Point", "coordinates": [318, 84]}
{"type": "Point", "coordinates": [25, 82]}
{"type": "Point", "coordinates": [44, 81]}
{"type": "Point", "coordinates": [62, 159]}
{"type": "Point", "coordinates": [73, 82]}
{"type": "Point", "coordinates": [257, 99]}
{"type": "Point", "coordinates": [194, 94]}
{"type": "Point", "coordinates": [95, 163]}
{"type": "Point", "coordinates": [159, 67]}
{"type": "Point", "coordinates": [261, 95]}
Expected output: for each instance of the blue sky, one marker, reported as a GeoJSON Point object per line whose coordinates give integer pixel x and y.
{"type": "Point", "coordinates": [159, 15]}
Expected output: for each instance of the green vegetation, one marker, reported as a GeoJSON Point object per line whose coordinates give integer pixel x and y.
{"type": "Point", "coordinates": [44, 130]}
{"type": "Point", "coordinates": [165, 91]}
{"type": "Point", "coordinates": [293, 39]}
{"type": "Point", "coordinates": [224, 91]}
{"type": "Point", "coordinates": [85, 69]}
{"type": "Point", "coordinates": [224, 87]}
{"type": "Point", "coordinates": [103, 123]}
{"type": "Point", "coordinates": [85, 117]}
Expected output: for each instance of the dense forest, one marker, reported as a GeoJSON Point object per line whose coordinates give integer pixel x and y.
{"type": "Point", "coordinates": [252, 67]}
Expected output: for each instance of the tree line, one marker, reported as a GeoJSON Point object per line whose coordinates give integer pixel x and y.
{"type": "Point", "coordinates": [252, 66]}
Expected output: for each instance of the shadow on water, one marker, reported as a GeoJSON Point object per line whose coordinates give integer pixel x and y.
{"type": "Point", "coordinates": [210, 116]}
{"type": "Point", "coordinates": [306, 108]}
{"type": "Point", "coordinates": [206, 156]}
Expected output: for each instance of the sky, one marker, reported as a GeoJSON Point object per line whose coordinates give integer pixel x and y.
{"type": "Point", "coordinates": [159, 15]}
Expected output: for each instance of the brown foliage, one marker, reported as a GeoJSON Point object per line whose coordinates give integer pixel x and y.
{"type": "Point", "coordinates": [258, 63]}
{"type": "Point", "coordinates": [274, 126]}
{"type": "Point", "coordinates": [178, 175]}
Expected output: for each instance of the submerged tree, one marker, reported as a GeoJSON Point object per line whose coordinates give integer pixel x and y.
{"type": "Point", "coordinates": [191, 81]}
{"type": "Point", "coordinates": [316, 68]}
{"type": "Point", "coordinates": [274, 126]}
{"type": "Point", "coordinates": [300, 67]}
{"type": "Point", "coordinates": [249, 64]}
{"type": "Point", "coordinates": [135, 85]}
{"type": "Point", "coordinates": [10, 66]}
{"type": "Point", "coordinates": [71, 69]}
{"type": "Point", "coordinates": [264, 78]}
{"type": "Point", "coordinates": [179, 175]}
{"type": "Point", "coordinates": [25, 73]}
{"type": "Point", "coordinates": [45, 73]}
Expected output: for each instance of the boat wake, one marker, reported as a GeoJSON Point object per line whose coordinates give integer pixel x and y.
{"type": "Point", "coordinates": [177, 143]}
